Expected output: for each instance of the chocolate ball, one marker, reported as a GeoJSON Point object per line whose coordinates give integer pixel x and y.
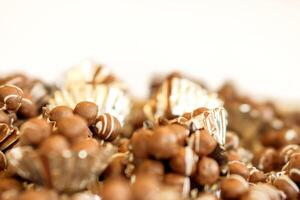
{"type": "Point", "coordinates": [88, 145]}
{"type": "Point", "coordinates": [116, 189]}
{"type": "Point", "coordinates": [34, 131]}
{"type": "Point", "coordinates": [263, 191]}
{"type": "Point", "coordinates": [145, 187]}
{"type": "Point", "coordinates": [180, 131]}
{"type": "Point", "coordinates": [266, 160]}
{"type": "Point", "coordinates": [7, 184]}
{"type": "Point", "coordinates": [294, 167]}
{"type": "Point", "coordinates": [151, 167]}
{"type": "Point", "coordinates": [10, 97]}
{"type": "Point", "coordinates": [256, 176]}
{"type": "Point", "coordinates": [233, 187]}
{"type": "Point", "coordinates": [232, 155]}
{"type": "Point", "coordinates": [87, 110]}
{"type": "Point", "coordinates": [55, 144]}
{"type": "Point", "coordinates": [286, 152]}
{"type": "Point", "coordinates": [3, 161]}
{"type": "Point", "coordinates": [163, 143]}
{"type": "Point", "coordinates": [139, 142]}
{"type": "Point", "coordinates": [4, 118]}
{"type": "Point", "coordinates": [60, 112]}
{"type": "Point", "coordinates": [285, 184]}
{"type": "Point", "coordinates": [289, 136]}
{"type": "Point", "coordinates": [239, 168]}
{"type": "Point", "coordinates": [117, 166]}
{"type": "Point", "coordinates": [107, 127]}
{"type": "Point", "coordinates": [203, 143]}
{"type": "Point", "coordinates": [184, 162]}
{"type": "Point", "coordinates": [207, 171]}
{"type": "Point", "coordinates": [178, 182]}
{"type": "Point", "coordinates": [27, 109]}
{"type": "Point", "coordinates": [232, 141]}
{"type": "Point", "coordinates": [72, 127]}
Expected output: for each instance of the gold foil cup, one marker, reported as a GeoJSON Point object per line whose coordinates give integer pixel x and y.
{"type": "Point", "coordinates": [65, 172]}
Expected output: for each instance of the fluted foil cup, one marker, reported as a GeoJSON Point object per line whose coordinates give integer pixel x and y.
{"type": "Point", "coordinates": [65, 172]}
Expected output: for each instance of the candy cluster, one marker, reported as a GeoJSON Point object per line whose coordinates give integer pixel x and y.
{"type": "Point", "coordinates": [90, 139]}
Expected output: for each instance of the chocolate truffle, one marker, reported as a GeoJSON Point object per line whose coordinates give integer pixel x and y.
{"type": "Point", "coordinates": [184, 162]}
{"type": "Point", "coordinates": [294, 167]}
{"type": "Point", "coordinates": [286, 152]}
{"type": "Point", "coordinates": [203, 142]}
{"type": "Point", "coordinates": [107, 127]}
{"type": "Point", "coordinates": [139, 142]}
{"type": "Point", "coordinates": [233, 187]}
{"type": "Point", "coordinates": [55, 144]}
{"type": "Point", "coordinates": [285, 184]}
{"type": "Point", "coordinates": [27, 109]}
{"type": "Point", "coordinates": [87, 110]}
{"type": "Point", "coordinates": [179, 182]}
{"type": "Point", "coordinates": [72, 127]}
{"type": "Point", "coordinates": [232, 141]}
{"type": "Point", "coordinates": [34, 131]}
{"type": "Point", "coordinates": [207, 171]}
{"type": "Point", "coordinates": [151, 167]}
{"type": "Point", "coordinates": [181, 132]}
{"type": "Point", "coordinates": [116, 189]}
{"type": "Point", "coordinates": [163, 143]}
{"type": "Point", "coordinates": [145, 187]}
{"type": "Point", "coordinates": [117, 166]}
{"type": "Point", "coordinates": [10, 97]}
{"type": "Point", "coordinates": [60, 112]}
{"type": "Point", "coordinates": [256, 176]}
{"type": "Point", "coordinates": [89, 145]}
{"type": "Point", "coordinates": [239, 168]}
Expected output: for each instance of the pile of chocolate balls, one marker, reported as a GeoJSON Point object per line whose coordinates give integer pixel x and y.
{"type": "Point", "coordinates": [91, 139]}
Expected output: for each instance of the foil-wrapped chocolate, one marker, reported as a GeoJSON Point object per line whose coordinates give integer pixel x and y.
{"type": "Point", "coordinates": [68, 171]}
{"type": "Point", "coordinates": [176, 96]}
{"type": "Point", "coordinates": [94, 83]}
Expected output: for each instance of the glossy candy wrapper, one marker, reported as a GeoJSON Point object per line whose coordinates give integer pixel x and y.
{"type": "Point", "coordinates": [67, 172]}
{"type": "Point", "coordinates": [178, 97]}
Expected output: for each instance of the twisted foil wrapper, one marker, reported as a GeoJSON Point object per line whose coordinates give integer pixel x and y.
{"type": "Point", "coordinates": [93, 83]}
{"type": "Point", "coordinates": [185, 102]}
{"type": "Point", "coordinates": [66, 172]}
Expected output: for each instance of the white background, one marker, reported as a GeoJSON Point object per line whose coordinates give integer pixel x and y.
{"type": "Point", "coordinates": [255, 42]}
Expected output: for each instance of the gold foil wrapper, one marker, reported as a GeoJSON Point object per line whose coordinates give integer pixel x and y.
{"type": "Point", "coordinates": [65, 172]}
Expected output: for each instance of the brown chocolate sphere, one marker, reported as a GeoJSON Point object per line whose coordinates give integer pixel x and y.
{"type": "Point", "coordinates": [263, 191]}
{"type": "Point", "coordinates": [107, 127]}
{"type": "Point", "coordinates": [233, 187]}
{"type": "Point", "coordinates": [55, 144]}
{"type": "Point", "coordinates": [184, 162]}
{"type": "Point", "coordinates": [28, 109]}
{"type": "Point", "coordinates": [116, 189]}
{"type": "Point", "coordinates": [89, 145]}
{"type": "Point", "coordinates": [139, 142]}
{"type": "Point", "coordinates": [117, 166]}
{"type": "Point", "coordinates": [286, 152]}
{"type": "Point", "coordinates": [294, 167]}
{"type": "Point", "coordinates": [72, 127]}
{"type": "Point", "coordinates": [87, 110]}
{"type": "Point", "coordinates": [266, 160]}
{"type": "Point", "coordinates": [289, 136]}
{"type": "Point", "coordinates": [232, 141]}
{"type": "Point", "coordinates": [34, 131]}
{"type": "Point", "coordinates": [203, 143]}
{"type": "Point", "coordinates": [256, 176]}
{"type": "Point", "coordinates": [151, 167]}
{"type": "Point", "coordinates": [180, 131]}
{"type": "Point", "coordinates": [179, 182]}
{"type": "Point", "coordinates": [3, 161]}
{"type": "Point", "coordinates": [10, 97]}
{"type": "Point", "coordinates": [145, 187]}
{"type": "Point", "coordinates": [207, 171]}
{"type": "Point", "coordinates": [163, 143]}
{"type": "Point", "coordinates": [239, 168]}
{"type": "Point", "coordinates": [285, 184]}
{"type": "Point", "coordinates": [60, 112]}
